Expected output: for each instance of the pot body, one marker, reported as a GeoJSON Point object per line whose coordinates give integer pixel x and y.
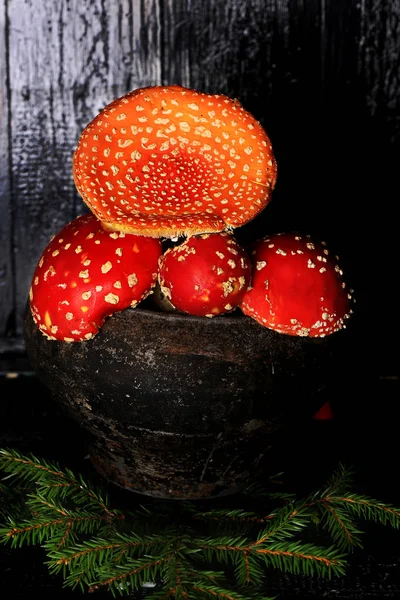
{"type": "Point", "coordinates": [185, 407]}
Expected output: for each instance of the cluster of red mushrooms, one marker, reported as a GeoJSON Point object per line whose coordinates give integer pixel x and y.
{"type": "Point", "coordinates": [170, 164]}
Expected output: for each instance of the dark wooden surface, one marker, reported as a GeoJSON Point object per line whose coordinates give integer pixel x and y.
{"type": "Point", "coordinates": [322, 77]}
{"type": "Point", "coordinates": [363, 435]}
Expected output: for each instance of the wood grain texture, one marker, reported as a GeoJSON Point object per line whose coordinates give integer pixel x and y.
{"type": "Point", "coordinates": [67, 60]}
{"type": "Point", "coordinates": [379, 59]}
{"type": "Point", "coordinates": [220, 47]}
{"type": "Point", "coordinates": [6, 257]}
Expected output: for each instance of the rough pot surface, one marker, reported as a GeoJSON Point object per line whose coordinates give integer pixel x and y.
{"type": "Point", "coordinates": [185, 407]}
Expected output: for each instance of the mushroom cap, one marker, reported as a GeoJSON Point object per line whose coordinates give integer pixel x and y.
{"type": "Point", "coordinates": [205, 276]}
{"type": "Point", "coordinates": [297, 287]}
{"type": "Point", "coordinates": [86, 274]}
{"type": "Point", "coordinates": [166, 161]}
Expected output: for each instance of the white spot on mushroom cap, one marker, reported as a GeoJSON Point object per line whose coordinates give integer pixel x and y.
{"type": "Point", "coordinates": [106, 267]}
{"type": "Point", "coordinates": [111, 298]}
{"type": "Point", "coordinates": [132, 280]}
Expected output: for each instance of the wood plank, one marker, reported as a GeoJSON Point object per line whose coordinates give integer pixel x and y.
{"type": "Point", "coordinates": [379, 76]}
{"type": "Point", "coordinates": [6, 258]}
{"type": "Point", "coordinates": [262, 51]}
{"type": "Point", "coordinates": [214, 45]}
{"type": "Point", "coordinates": [177, 31]}
{"type": "Point", "coordinates": [67, 60]}
{"type": "Point", "coordinates": [270, 55]}
{"type": "Point", "coordinates": [379, 65]}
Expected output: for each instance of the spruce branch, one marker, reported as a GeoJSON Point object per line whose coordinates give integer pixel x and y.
{"type": "Point", "coordinates": [341, 479]}
{"type": "Point", "coordinates": [187, 550]}
{"type": "Point", "coordinates": [336, 506]}
{"type": "Point", "coordinates": [369, 509]}
{"type": "Point", "coordinates": [54, 481]}
{"type": "Point", "coordinates": [307, 559]}
{"type": "Point", "coordinates": [133, 574]}
{"type": "Point", "coordinates": [344, 532]}
{"type": "Point", "coordinates": [285, 522]}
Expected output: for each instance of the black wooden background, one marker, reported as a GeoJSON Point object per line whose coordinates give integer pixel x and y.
{"type": "Point", "coordinates": [323, 77]}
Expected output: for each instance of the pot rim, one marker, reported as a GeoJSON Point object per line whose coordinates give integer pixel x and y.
{"type": "Point", "coordinates": [231, 317]}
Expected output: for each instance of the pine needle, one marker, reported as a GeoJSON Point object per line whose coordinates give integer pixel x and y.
{"type": "Point", "coordinates": [182, 550]}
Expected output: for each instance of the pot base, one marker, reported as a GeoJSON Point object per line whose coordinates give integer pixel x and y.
{"type": "Point", "coordinates": [189, 467]}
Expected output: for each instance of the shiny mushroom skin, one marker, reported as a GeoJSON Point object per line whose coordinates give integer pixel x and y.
{"type": "Point", "coordinates": [207, 275]}
{"type": "Point", "coordinates": [86, 274]}
{"type": "Point", "coordinates": [298, 287]}
{"type": "Point", "coordinates": [166, 161]}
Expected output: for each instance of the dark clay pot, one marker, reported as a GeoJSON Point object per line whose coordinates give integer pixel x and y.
{"type": "Point", "coordinates": [184, 407]}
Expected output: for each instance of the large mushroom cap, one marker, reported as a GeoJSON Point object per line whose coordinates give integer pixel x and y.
{"type": "Point", "coordinates": [165, 161]}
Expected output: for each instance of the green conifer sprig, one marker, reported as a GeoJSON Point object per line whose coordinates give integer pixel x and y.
{"type": "Point", "coordinates": [187, 550]}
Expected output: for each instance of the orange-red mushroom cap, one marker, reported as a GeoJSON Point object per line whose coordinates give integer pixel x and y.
{"type": "Point", "coordinates": [86, 274]}
{"type": "Point", "coordinates": [165, 161]}
{"type": "Point", "coordinates": [206, 276]}
{"type": "Point", "coordinates": [297, 287]}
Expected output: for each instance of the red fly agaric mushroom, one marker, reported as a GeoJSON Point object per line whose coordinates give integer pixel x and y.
{"type": "Point", "coordinates": [297, 287]}
{"type": "Point", "coordinates": [205, 276]}
{"type": "Point", "coordinates": [86, 274]}
{"type": "Point", "coordinates": [166, 161]}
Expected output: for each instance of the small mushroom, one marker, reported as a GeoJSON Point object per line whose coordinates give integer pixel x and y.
{"type": "Point", "coordinates": [166, 161]}
{"type": "Point", "coordinates": [86, 274]}
{"type": "Point", "coordinates": [205, 276]}
{"type": "Point", "coordinates": [297, 287]}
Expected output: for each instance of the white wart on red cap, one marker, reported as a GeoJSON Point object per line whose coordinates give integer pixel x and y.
{"type": "Point", "coordinates": [86, 274]}
{"type": "Point", "coordinates": [298, 287]}
{"type": "Point", "coordinates": [166, 161]}
{"type": "Point", "coordinates": [207, 275]}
